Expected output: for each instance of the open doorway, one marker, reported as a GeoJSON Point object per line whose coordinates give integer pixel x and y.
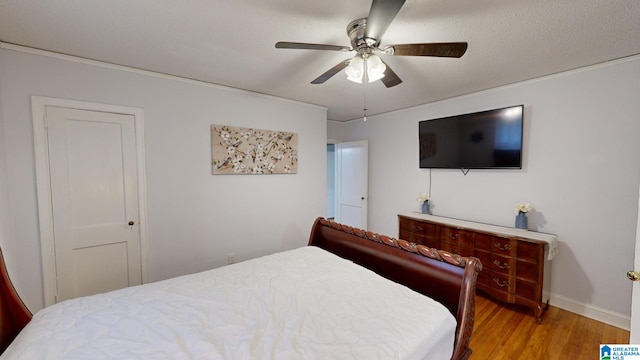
{"type": "Point", "coordinates": [347, 183]}
{"type": "Point", "coordinates": [331, 181]}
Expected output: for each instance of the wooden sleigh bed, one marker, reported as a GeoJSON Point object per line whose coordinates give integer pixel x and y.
{"type": "Point", "coordinates": [441, 276]}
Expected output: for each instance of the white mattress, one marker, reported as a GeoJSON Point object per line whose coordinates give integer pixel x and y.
{"type": "Point", "coordinates": [300, 304]}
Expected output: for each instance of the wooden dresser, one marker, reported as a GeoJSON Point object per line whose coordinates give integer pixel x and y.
{"type": "Point", "coordinates": [516, 263]}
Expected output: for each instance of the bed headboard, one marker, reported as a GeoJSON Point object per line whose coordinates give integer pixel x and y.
{"type": "Point", "coordinates": [448, 278]}
{"type": "Point", "coordinates": [14, 315]}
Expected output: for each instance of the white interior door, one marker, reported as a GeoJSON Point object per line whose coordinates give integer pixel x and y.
{"type": "Point", "coordinates": [352, 183]}
{"type": "Point", "coordinates": [94, 199]}
{"type": "Point", "coordinates": [635, 293]}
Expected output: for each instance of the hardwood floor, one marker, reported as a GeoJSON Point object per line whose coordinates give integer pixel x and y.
{"type": "Point", "coordinates": [510, 332]}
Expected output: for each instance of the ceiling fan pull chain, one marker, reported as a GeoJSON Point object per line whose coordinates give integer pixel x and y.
{"type": "Point", "coordinates": [365, 80]}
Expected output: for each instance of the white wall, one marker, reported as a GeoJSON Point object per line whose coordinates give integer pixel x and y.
{"type": "Point", "coordinates": [335, 131]}
{"type": "Point", "coordinates": [5, 214]}
{"type": "Point", "coordinates": [581, 172]}
{"type": "Point", "coordinates": [195, 219]}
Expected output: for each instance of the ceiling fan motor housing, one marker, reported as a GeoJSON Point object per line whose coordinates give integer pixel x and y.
{"type": "Point", "coordinates": [356, 31]}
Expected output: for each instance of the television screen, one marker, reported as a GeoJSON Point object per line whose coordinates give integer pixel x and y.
{"type": "Point", "coordinates": [482, 140]}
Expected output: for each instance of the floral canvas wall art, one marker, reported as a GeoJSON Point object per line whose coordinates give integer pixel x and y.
{"type": "Point", "coordinates": [236, 150]}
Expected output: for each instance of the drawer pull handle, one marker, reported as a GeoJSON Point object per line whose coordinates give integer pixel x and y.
{"type": "Point", "coordinates": [417, 228]}
{"type": "Point", "coordinates": [454, 236]}
{"type": "Point", "coordinates": [500, 265]}
{"type": "Point", "coordinates": [500, 283]}
{"type": "Point", "coordinates": [501, 247]}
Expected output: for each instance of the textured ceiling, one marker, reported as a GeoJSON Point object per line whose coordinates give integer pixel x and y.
{"type": "Point", "coordinates": [231, 42]}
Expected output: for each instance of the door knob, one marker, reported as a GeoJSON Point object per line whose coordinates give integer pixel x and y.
{"type": "Point", "coordinates": [131, 223]}
{"type": "Point", "coordinates": [633, 275]}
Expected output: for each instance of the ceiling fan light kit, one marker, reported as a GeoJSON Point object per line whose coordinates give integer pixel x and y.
{"type": "Point", "coordinates": [355, 69]}
{"type": "Point", "coordinates": [366, 66]}
{"type": "Point", "coordinates": [365, 35]}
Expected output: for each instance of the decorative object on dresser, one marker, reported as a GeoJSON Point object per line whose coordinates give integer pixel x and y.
{"type": "Point", "coordinates": [516, 264]}
{"type": "Point", "coordinates": [521, 215]}
{"type": "Point", "coordinates": [423, 198]}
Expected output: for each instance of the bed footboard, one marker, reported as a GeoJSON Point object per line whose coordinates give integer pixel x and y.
{"type": "Point", "coordinates": [448, 278]}
{"type": "Point", "coordinates": [14, 314]}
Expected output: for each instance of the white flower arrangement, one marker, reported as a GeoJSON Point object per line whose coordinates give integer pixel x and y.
{"type": "Point", "coordinates": [523, 207]}
{"type": "Point", "coordinates": [423, 197]}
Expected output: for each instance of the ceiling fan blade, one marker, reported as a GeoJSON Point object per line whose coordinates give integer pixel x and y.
{"type": "Point", "coordinates": [334, 70]}
{"type": "Point", "coordinates": [452, 49]}
{"type": "Point", "coordinates": [380, 17]}
{"type": "Point", "coordinates": [297, 45]}
{"type": "Point", "coordinates": [390, 79]}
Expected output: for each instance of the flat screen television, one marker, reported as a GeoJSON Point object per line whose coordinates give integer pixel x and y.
{"type": "Point", "coordinates": [489, 139]}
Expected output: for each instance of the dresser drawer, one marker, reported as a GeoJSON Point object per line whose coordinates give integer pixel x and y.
{"type": "Point", "coordinates": [419, 227]}
{"type": "Point", "coordinates": [499, 264]}
{"type": "Point", "coordinates": [531, 251]}
{"type": "Point", "coordinates": [458, 249]}
{"type": "Point", "coordinates": [419, 238]}
{"type": "Point", "coordinates": [407, 225]}
{"type": "Point", "coordinates": [502, 282]}
{"type": "Point", "coordinates": [405, 235]}
{"type": "Point", "coordinates": [483, 279]}
{"type": "Point", "coordinates": [503, 264]}
{"type": "Point", "coordinates": [424, 240]}
{"type": "Point", "coordinates": [483, 241]}
{"type": "Point", "coordinates": [484, 257]}
{"type": "Point", "coordinates": [493, 283]}
{"type": "Point", "coordinates": [419, 232]}
{"type": "Point", "coordinates": [496, 244]}
{"type": "Point", "coordinates": [529, 271]}
{"type": "Point", "coordinates": [457, 236]}
{"type": "Point", "coordinates": [526, 289]}
{"type": "Point", "coordinates": [504, 246]}
{"type": "Point", "coordinates": [429, 242]}
{"type": "Point", "coordinates": [410, 237]}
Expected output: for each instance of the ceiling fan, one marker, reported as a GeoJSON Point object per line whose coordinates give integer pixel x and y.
{"type": "Point", "coordinates": [365, 35]}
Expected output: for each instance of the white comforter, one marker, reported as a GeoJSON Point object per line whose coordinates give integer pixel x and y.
{"type": "Point", "coordinates": [300, 304]}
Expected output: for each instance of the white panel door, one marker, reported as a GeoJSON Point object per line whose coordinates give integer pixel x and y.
{"type": "Point", "coordinates": [92, 157]}
{"type": "Point", "coordinates": [635, 292]}
{"type": "Point", "coordinates": [352, 173]}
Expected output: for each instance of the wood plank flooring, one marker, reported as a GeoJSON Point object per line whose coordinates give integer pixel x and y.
{"type": "Point", "coordinates": [505, 331]}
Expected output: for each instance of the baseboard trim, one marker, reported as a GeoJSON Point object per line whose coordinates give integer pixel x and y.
{"type": "Point", "coordinates": [592, 312]}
